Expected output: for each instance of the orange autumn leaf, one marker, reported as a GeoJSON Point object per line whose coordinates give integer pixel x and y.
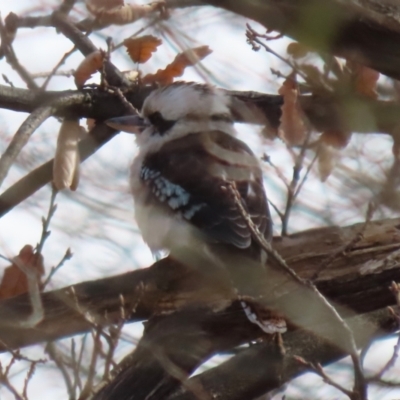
{"type": "Point", "coordinates": [365, 79]}
{"type": "Point", "coordinates": [141, 49]}
{"type": "Point", "coordinates": [336, 138]}
{"type": "Point", "coordinates": [292, 128]}
{"type": "Point", "coordinates": [14, 280]}
{"type": "Point", "coordinates": [118, 13]}
{"type": "Point", "coordinates": [177, 67]}
{"type": "Point", "coordinates": [91, 64]}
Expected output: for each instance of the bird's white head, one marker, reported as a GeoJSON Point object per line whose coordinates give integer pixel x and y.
{"type": "Point", "coordinates": [177, 110]}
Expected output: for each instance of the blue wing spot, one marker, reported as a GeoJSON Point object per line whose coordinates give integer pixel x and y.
{"type": "Point", "coordinates": [164, 189]}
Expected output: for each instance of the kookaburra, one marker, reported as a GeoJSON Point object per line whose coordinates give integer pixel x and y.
{"type": "Point", "coordinates": [188, 151]}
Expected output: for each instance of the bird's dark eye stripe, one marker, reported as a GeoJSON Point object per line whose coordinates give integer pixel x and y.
{"type": "Point", "coordinates": [162, 124]}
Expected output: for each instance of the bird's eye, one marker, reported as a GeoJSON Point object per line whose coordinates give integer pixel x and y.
{"type": "Point", "coordinates": [162, 124]}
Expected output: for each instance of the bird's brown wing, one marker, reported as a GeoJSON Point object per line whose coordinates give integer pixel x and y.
{"type": "Point", "coordinates": [189, 175]}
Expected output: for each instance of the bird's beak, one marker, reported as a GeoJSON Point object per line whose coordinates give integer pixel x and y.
{"type": "Point", "coordinates": [129, 123]}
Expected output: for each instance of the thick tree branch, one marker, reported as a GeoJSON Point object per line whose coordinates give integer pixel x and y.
{"type": "Point", "coordinates": [367, 33]}
{"type": "Point", "coordinates": [260, 369]}
{"type": "Point", "coordinates": [172, 347]}
{"type": "Point", "coordinates": [253, 107]}
{"type": "Point", "coordinates": [324, 113]}
{"type": "Point", "coordinates": [353, 280]}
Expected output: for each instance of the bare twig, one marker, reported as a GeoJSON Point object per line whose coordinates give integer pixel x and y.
{"type": "Point", "coordinates": [8, 51]}
{"type": "Point", "coordinates": [87, 389]}
{"type": "Point", "coordinates": [53, 72]}
{"type": "Point", "coordinates": [114, 336]}
{"type": "Point", "coordinates": [6, 383]}
{"type": "Point", "coordinates": [395, 289]}
{"type": "Point", "coordinates": [21, 137]}
{"type": "Point", "coordinates": [28, 377]}
{"type": "Point", "coordinates": [67, 256]}
{"type": "Point", "coordinates": [292, 192]}
{"type": "Point", "coordinates": [55, 356]}
{"type": "Point", "coordinates": [317, 368]}
{"type": "Point", "coordinates": [85, 46]}
{"type": "Point", "coordinates": [348, 246]}
{"type": "Point", "coordinates": [46, 222]}
{"type": "Point", "coordinates": [253, 39]}
{"type": "Point", "coordinates": [42, 175]}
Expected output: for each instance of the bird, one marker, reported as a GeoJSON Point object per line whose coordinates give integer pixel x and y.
{"type": "Point", "coordinates": [187, 152]}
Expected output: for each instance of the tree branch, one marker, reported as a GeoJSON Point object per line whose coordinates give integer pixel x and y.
{"type": "Point", "coordinates": [259, 369]}
{"type": "Point", "coordinates": [21, 137]}
{"type": "Point", "coordinates": [42, 175]}
{"type": "Point", "coordinates": [362, 33]}
{"type": "Point", "coordinates": [352, 281]}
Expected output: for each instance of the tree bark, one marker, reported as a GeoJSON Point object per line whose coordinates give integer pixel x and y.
{"type": "Point", "coordinates": [366, 32]}
{"type": "Point", "coordinates": [358, 280]}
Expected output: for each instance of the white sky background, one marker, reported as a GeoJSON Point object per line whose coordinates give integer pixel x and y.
{"type": "Point", "coordinates": [96, 222]}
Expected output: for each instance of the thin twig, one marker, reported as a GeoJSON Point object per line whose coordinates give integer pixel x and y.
{"type": "Point", "coordinates": [114, 334]}
{"type": "Point", "coordinates": [85, 46]}
{"type": "Point", "coordinates": [292, 192]}
{"type": "Point", "coordinates": [317, 368]}
{"type": "Point", "coordinates": [46, 222]}
{"type": "Point", "coordinates": [348, 246]}
{"type": "Point", "coordinates": [42, 175]}
{"type": "Point", "coordinates": [55, 69]}
{"type": "Point", "coordinates": [28, 377]}
{"type": "Point", "coordinates": [253, 38]}
{"type": "Point", "coordinates": [87, 389]}
{"type": "Point", "coordinates": [67, 256]}
{"type": "Point", "coordinates": [21, 137]}
{"type": "Point", "coordinates": [55, 356]}
{"type": "Point", "coordinates": [7, 384]}
{"type": "Point", "coordinates": [11, 57]}
{"type": "Point", "coordinates": [395, 289]}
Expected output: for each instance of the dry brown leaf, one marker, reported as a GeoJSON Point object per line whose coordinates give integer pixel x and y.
{"type": "Point", "coordinates": [365, 79]}
{"type": "Point", "coordinates": [66, 159]}
{"type": "Point", "coordinates": [177, 67]}
{"type": "Point", "coordinates": [122, 14]}
{"type": "Point", "coordinates": [76, 174]}
{"type": "Point", "coordinates": [327, 159]}
{"type": "Point", "coordinates": [14, 280]}
{"type": "Point", "coordinates": [141, 49]}
{"type": "Point", "coordinates": [297, 50]}
{"type": "Point", "coordinates": [292, 128]}
{"type": "Point", "coordinates": [335, 138]}
{"type": "Point", "coordinates": [91, 64]}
